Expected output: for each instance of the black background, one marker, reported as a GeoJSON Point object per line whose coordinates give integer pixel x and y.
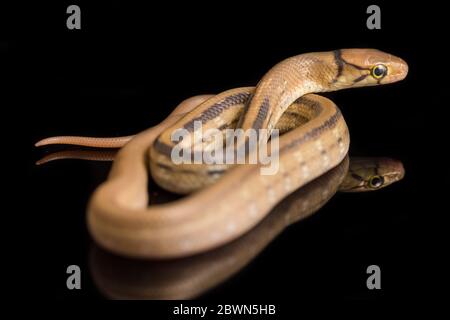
{"type": "Point", "coordinates": [131, 64]}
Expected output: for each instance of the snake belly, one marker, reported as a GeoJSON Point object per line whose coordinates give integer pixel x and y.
{"type": "Point", "coordinates": [119, 218]}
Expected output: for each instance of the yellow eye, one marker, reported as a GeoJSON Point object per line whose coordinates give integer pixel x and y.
{"type": "Point", "coordinates": [376, 181]}
{"type": "Point", "coordinates": [378, 71]}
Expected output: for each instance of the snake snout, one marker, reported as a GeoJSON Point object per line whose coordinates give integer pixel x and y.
{"type": "Point", "coordinates": [398, 70]}
{"type": "Point", "coordinates": [392, 168]}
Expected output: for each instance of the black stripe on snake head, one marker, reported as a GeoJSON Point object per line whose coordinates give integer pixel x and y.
{"type": "Point", "coordinates": [357, 177]}
{"type": "Point", "coordinates": [376, 169]}
{"type": "Point", "coordinates": [341, 63]}
{"type": "Point", "coordinates": [361, 78]}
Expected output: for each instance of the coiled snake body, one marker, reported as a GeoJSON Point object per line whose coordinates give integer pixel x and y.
{"type": "Point", "coordinates": [316, 139]}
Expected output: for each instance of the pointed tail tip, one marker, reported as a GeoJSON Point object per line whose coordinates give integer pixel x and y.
{"type": "Point", "coordinates": [41, 142]}
{"type": "Point", "coordinates": [41, 161]}
{"type": "Point", "coordinates": [45, 141]}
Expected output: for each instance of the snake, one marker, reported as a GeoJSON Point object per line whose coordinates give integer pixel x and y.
{"type": "Point", "coordinates": [226, 201]}
{"type": "Point", "coordinates": [188, 278]}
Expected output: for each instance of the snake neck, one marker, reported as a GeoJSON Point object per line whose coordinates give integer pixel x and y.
{"type": "Point", "coordinates": [285, 83]}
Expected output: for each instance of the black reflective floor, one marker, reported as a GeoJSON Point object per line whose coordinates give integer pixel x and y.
{"type": "Point", "coordinates": [325, 254]}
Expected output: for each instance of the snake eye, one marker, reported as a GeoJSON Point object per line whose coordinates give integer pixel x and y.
{"type": "Point", "coordinates": [376, 181]}
{"type": "Point", "coordinates": [378, 71]}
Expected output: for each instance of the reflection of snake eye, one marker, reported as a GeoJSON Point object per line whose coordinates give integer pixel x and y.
{"type": "Point", "coordinates": [376, 181]}
{"type": "Point", "coordinates": [379, 71]}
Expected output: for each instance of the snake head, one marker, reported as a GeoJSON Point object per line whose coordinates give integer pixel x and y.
{"type": "Point", "coordinates": [368, 174]}
{"type": "Point", "coordinates": [367, 67]}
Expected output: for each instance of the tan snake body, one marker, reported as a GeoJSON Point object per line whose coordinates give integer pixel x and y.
{"type": "Point", "coordinates": [119, 217]}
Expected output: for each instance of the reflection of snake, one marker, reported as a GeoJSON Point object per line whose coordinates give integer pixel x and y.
{"type": "Point", "coordinates": [118, 216]}
{"type": "Point", "coordinates": [187, 278]}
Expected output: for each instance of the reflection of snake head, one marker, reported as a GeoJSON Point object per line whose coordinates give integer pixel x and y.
{"type": "Point", "coordinates": [366, 67]}
{"type": "Point", "coordinates": [367, 174]}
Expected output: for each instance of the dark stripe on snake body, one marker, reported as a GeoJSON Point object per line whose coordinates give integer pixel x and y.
{"type": "Point", "coordinates": [166, 150]}
{"type": "Point", "coordinates": [214, 172]}
{"type": "Point", "coordinates": [316, 106]}
{"type": "Point", "coordinates": [246, 106]}
{"type": "Point", "coordinates": [230, 125]}
{"type": "Point", "coordinates": [164, 166]}
{"type": "Point", "coordinates": [329, 123]}
{"type": "Point", "coordinates": [171, 169]}
{"type": "Point", "coordinates": [162, 148]}
{"type": "Point", "coordinates": [262, 114]}
{"type": "Point", "coordinates": [217, 109]}
{"type": "Point", "coordinates": [292, 114]}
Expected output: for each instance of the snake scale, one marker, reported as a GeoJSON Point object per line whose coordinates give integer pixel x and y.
{"type": "Point", "coordinates": [119, 218]}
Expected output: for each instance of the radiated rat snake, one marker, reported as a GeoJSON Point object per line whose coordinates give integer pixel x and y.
{"type": "Point", "coordinates": [118, 216]}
